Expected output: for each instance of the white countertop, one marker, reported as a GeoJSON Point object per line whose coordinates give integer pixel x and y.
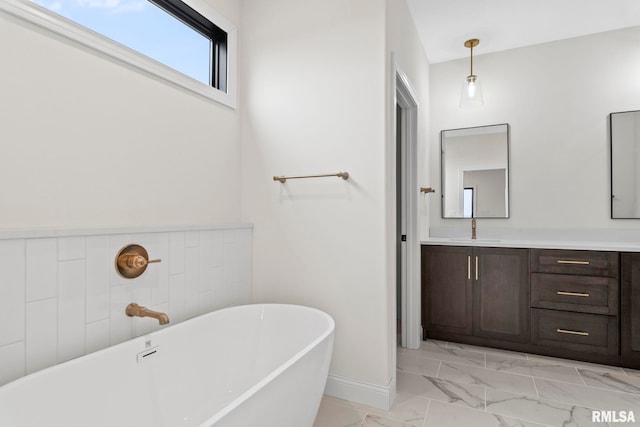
{"type": "Point", "coordinates": [532, 243]}
{"type": "Point", "coordinates": [593, 239]}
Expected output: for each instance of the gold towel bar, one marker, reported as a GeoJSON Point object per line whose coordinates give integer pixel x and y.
{"type": "Point", "coordinates": [283, 179]}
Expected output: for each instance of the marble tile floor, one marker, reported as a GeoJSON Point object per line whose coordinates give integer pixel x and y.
{"type": "Point", "coordinates": [446, 384]}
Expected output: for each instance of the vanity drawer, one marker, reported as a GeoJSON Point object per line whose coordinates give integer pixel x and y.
{"type": "Point", "coordinates": [582, 332]}
{"type": "Point", "coordinates": [585, 294]}
{"type": "Point", "coordinates": [585, 263]}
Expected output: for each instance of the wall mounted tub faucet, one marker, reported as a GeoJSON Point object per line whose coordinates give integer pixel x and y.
{"type": "Point", "coordinates": [135, 310]}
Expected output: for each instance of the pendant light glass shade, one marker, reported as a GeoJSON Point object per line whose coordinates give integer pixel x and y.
{"type": "Point", "coordinates": [471, 90]}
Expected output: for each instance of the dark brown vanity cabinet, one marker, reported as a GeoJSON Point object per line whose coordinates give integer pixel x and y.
{"type": "Point", "coordinates": [578, 304]}
{"type": "Point", "coordinates": [630, 309]}
{"type": "Point", "coordinates": [475, 291]}
{"type": "Point", "coordinates": [446, 290]}
{"type": "Point", "coordinates": [575, 302]}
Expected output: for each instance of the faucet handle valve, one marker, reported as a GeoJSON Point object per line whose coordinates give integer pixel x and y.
{"type": "Point", "coordinates": [132, 261]}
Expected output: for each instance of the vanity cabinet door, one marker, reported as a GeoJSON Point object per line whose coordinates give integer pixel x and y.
{"type": "Point", "coordinates": [630, 309]}
{"type": "Point", "coordinates": [501, 294]}
{"type": "Point", "coordinates": [447, 290]}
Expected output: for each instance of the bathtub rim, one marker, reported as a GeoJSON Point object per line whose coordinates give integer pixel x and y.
{"type": "Point", "coordinates": [229, 407]}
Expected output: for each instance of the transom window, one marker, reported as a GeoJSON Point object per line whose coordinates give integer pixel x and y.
{"type": "Point", "coordinates": [168, 31]}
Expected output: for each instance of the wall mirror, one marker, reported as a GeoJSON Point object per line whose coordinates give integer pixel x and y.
{"type": "Point", "coordinates": [475, 172]}
{"type": "Point", "coordinates": [625, 164]}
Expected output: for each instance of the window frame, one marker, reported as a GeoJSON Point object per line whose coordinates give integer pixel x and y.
{"type": "Point", "coordinates": [44, 18]}
{"type": "Point", "coordinates": [200, 24]}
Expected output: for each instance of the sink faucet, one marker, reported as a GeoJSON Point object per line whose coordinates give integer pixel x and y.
{"type": "Point", "coordinates": [136, 310]}
{"type": "Point", "coordinates": [473, 228]}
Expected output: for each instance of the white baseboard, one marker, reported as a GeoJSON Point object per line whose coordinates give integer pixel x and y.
{"type": "Point", "coordinates": [373, 395]}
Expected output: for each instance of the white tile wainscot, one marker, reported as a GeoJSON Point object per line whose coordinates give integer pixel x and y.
{"type": "Point", "coordinates": [61, 298]}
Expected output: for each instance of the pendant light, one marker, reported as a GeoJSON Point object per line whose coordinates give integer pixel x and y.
{"type": "Point", "coordinates": [471, 89]}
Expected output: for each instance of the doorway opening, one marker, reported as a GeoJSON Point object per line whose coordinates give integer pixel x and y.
{"type": "Point", "coordinates": [401, 224]}
{"type": "Point", "coordinates": [407, 241]}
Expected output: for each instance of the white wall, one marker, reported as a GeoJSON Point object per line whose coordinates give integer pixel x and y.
{"type": "Point", "coordinates": [93, 143]}
{"type": "Point", "coordinates": [62, 298]}
{"type": "Point", "coordinates": [489, 190]}
{"type": "Point", "coordinates": [313, 84]}
{"type": "Point", "coordinates": [315, 99]}
{"type": "Point", "coordinates": [87, 142]}
{"type": "Point", "coordinates": [556, 97]}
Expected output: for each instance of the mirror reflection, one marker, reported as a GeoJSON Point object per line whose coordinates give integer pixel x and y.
{"type": "Point", "coordinates": [625, 164]}
{"type": "Point", "coordinates": [475, 172]}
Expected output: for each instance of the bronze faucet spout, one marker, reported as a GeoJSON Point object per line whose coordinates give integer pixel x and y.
{"type": "Point", "coordinates": [136, 310]}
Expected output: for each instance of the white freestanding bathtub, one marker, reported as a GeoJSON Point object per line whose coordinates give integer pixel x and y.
{"type": "Point", "coordinates": [253, 365]}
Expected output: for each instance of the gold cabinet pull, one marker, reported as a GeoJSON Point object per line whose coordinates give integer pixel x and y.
{"type": "Point", "coordinates": [570, 332]}
{"type": "Point", "coordinates": [573, 294]}
{"type": "Point", "coordinates": [570, 262]}
{"type": "Point", "coordinates": [469, 267]}
{"type": "Point", "coordinates": [476, 268]}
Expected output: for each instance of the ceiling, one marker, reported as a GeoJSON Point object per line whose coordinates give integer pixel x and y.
{"type": "Point", "coordinates": [444, 25]}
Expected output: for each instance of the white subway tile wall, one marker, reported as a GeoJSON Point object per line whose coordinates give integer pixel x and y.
{"type": "Point", "coordinates": [61, 298]}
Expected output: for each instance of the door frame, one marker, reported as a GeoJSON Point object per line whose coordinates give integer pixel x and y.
{"type": "Point", "coordinates": [405, 97]}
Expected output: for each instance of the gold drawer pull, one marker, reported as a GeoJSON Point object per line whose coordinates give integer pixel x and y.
{"type": "Point", "coordinates": [573, 294]}
{"type": "Point", "coordinates": [567, 331]}
{"type": "Point", "coordinates": [469, 267]}
{"type": "Point", "coordinates": [563, 261]}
